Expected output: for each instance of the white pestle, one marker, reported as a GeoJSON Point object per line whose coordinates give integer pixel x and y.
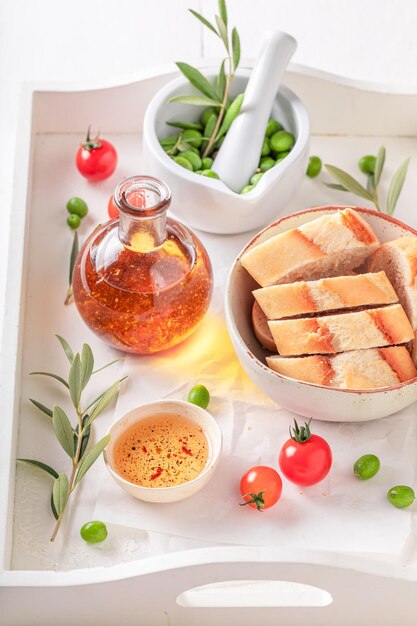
{"type": "Point", "coordinates": [240, 152]}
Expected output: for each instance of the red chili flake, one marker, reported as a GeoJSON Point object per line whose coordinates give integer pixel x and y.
{"type": "Point", "coordinates": [144, 449]}
{"type": "Point", "coordinates": [157, 473]}
{"type": "Point", "coordinates": [187, 451]}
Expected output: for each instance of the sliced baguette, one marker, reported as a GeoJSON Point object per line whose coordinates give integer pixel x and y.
{"type": "Point", "coordinates": [330, 245]}
{"type": "Point", "coordinates": [361, 369]}
{"type": "Point", "coordinates": [398, 259]}
{"type": "Point", "coordinates": [326, 294]}
{"type": "Point", "coordinates": [261, 328]}
{"type": "Point", "coordinates": [329, 334]}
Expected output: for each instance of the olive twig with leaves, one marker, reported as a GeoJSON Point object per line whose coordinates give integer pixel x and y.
{"type": "Point", "coordinates": [373, 167]}
{"type": "Point", "coordinates": [74, 441]}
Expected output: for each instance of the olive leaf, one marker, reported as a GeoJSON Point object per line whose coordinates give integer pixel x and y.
{"type": "Point", "coordinates": [63, 430]}
{"type": "Point", "coordinates": [336, 186]}
{"type": "Point", "coordinates": [59, 378]}
{"type": "Point", "coordinates": [396, 186]}
{"type": "Point", "coordinates": [104, 401]}
{"type": "Point", "coordinates": [204, 21]}
{"type": "Point", "coordinates": [73, 256]}
{"type": "Point", "coordinates": [209, 129]}
{"type": "Point", "coordinates": [66, 347]}
{"type": "Point", "coordinates": [41, 407]}
{"type": "Point", "coordinates": [231, 114]}
{"type": "Point", "coordinates": [221, 81]}
{"type": "Point", "coordinates": [235, 48]}
{"type": "Point", "coordinates": [379, 165]}
{"type": "Point", "coordinates": [60, 493]}
{"type": "Point", "coordinates": [348, 182]}
{"type": "Point", "coordinates": [85, 437]}
{"type": "Point", "coordinates": [90, 458]}
{"type": "Point", "coordinates": [223, 11]}
{"type": "Point", "coordinates": [370, 184]}
{"type": "Point", "coordinates": [196, 78]}
{"type": "Point", "coordinates": [222, 31]}
{"type": "Point", "coordinates": [43, 466]}
{"type": "Point", "coordinates": [107, 365]}
{"type": "Point", "coordinates": [200, 101]}
{"type": "Point", "coordinates": [185, 126]}
{"type": "Point", "coordinates": [87, 365]}
{"type": "Point", "coordinates": [74, 381]}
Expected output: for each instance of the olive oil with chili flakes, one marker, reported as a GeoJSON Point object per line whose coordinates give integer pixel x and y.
{"type": "Point", "coordinates": [143, 282]}
{"type": "Point", "coordinates": [161, 451]}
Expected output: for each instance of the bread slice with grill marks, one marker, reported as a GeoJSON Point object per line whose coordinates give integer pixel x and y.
{"type": "Point", "coordinates": [330, 334]}
{"type": "Point", "coordinates": [326, 294]}
{"type": "Point", "coordinates": [361, 369]}
{"type": "Point", "coordinates": [398, 258]}
{"type": "Point", "coordinates": [330, 245]}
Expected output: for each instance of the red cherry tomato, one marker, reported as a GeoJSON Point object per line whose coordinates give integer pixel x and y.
{"type": "Point", "coordinates": [112, 209]}
{"type": "Point", "coordinates": [305, 459]}
{"type": "Point", "coordinates": [96, 158]}
{"type": "Point", "coordinates": [261, 487]}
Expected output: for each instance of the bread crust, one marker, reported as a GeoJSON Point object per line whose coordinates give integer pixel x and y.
{"type": "Point", "coordinates": [326, 294]}
{"type": "Point", "coordinates": [362, 369]}
{"type": "Point", "coordinates": [330, 334]}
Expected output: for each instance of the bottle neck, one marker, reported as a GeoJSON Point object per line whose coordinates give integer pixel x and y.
{"type": "Point", "coordinates": [142, 202]}
{"type": "Point", "coordinates": [142, 234]}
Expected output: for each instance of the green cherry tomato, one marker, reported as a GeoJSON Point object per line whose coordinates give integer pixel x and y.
{"type": "Point", "coordinates": [266, 164]}
{"type": "Point", "coordinates": [206, 115]}
{"type": "Point", "coordinates": [272, 127]}
{"type": "Point", "coordinates": [209, 173]}
{"type": "Point", "coordinates": [256, 178]}
{"type": "Point", "coordinates": [367, 164]}
{"type": "Point", "coordinates": [206, 163]}
{"type": "Point", "coordinates": [266, 148]}
{"type": "Point", "coordinates": [77, 206]}
{"type": "Point", "coordinates": [183, 162]}
{"type": "Point", "coordinates": [314, 167]}
{"type": "Point", "coordinates": [282, 141]}
{"type": "Point", "coordinates": [193, 158]}
{"type": "Point", "coordinates": [94, 532]}
{"type": "Point", "coordinates": [401, 496]}
{"type": "Point", "coordinates": [193, 137]}
{"type": "Point", "coordinates": [247, 189]}
{"type": "Point", "coordinates": [73, 221]}
{"type": "Point", "coordinates": [366, 466]}
{"type": "Point", "coordinates": [199, 395]}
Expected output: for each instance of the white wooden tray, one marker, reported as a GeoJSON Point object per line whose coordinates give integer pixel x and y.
{"type": "Point", "coordinates": [348, 120]}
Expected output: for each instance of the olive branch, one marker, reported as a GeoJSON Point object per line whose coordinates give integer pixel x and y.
{"type": "Point", "coordinates": [74, 441]}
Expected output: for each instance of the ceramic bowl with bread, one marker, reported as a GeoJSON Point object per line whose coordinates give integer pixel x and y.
{"type": "Point", "coordinates": [321, 307]}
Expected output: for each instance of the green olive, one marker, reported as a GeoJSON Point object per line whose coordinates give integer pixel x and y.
{"type": "Point", "coordinates": [367, 164]}
{"type": "Point", "coordinates": [77, 206]}
{"type": "Point", "coordinates": [206, 115]}
{"type": "Point", "coordinates": [281, 156]}
{"type": "Point", "coordinates": [199, 395]}
{"type": "Point", "coordinates": [209, 173]}
{"type": "Point", "coordinates": [206, 163]}
{"type": "Point", "coordinates": [266, 164]}
{"type": "Point", "coordinates": [401, 496]}
{"type": "Point", "coordinates": [193, 158]}
{"type": "Point", "coordinates": [94, 532]}
{"type": "Point", "coordinates": [183, 162]}
{"type": "Point", "coordinates": [193, 137]}
{"type": "Point", "coordinates": [282, 141]}
{"type": "Point", "coordinates": [272, 127]}
{"type": "Point", "coordinates": [366, 466]}
{"type": "Point", "coordinates": [314, 167]}
{"type": "Point", "coordinates": [256, 178]}
{"type": "Point", "coordinates": [266, 147]}
{"type": "Point", "coordinates": [247, 189]}
{"type": "Point", "coordinates": [73, 221]}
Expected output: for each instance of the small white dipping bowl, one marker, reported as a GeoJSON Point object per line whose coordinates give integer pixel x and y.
{"type": "Point", "coordinates": [308, 399]}
{"type": "Point", "coordinates": [177, 407]}
{"type": "Point", "coordinates": [206, 203]}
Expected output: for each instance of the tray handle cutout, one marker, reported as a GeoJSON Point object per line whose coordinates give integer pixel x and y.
{"type": "Point", "coordinates": [255, 593]}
